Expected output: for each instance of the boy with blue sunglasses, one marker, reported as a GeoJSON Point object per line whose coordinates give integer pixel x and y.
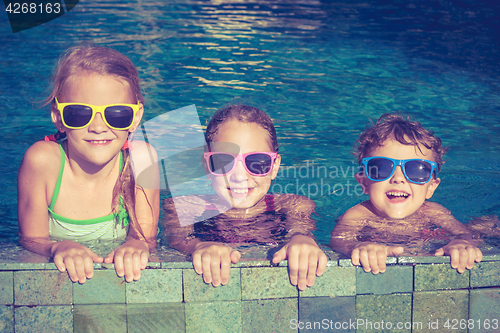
{"type": "Point", "coordinates": [399, 163]}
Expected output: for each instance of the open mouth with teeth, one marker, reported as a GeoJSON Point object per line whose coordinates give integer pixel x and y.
{"type": "Point", "coordinates": [239, 192]}
{"type": "Point", "coordinates": [99, 142]}
{"type": "Point", "coordinates": [397, 196]}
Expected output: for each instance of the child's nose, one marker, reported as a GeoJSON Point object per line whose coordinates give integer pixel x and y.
{"type": "Point", "coordinates": [239, 174]}
{"type": "Point", "coordinates": [98, 125]}
{"type": "Point", "coordinates": [398, 175]}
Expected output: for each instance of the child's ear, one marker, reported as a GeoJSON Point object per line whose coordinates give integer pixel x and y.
{"type": "Point", "coordinates": [137, 119]}
{"type": "Point", "coordinates": [434, 184]}
{"type": "Point", "coordinates": [362, 180]}
{"type": "Point", "coordinates": [276, 166]}
{"type": "Point", "coordinates": [55, 115]}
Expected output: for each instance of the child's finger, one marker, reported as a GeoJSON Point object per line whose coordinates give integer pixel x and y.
{"type": "Point", "coordinates": [89, 267]}
{"type": "Point", "coordinates": [479, 255]}
{"type": "Point", "coordinates": [235, 256]}
{"type": "Point", "coordinates": [313, 266]}
{"type": "Point", "coordinates": [293, 268]}
{"type": "Point", "coordinates": [303, 270]}
{"type": "Point", "coordinates": [355, 257]}
{"type": "Point", "coordinates": [70, 268]}
{"type": "Point", "coordinates": [455, 258]}
{"type": "Point", "coordinates": [206, 259]}
{"type": "Point", "coordinates": [144, 259]}
{"type": "Point", "coordinates": [110, 257]}
{"type": "Point", "coordinates": [323, 260]}
{"type": "Point", "coordinates": [215, 264]}
{"type": "Point", "coordinates": [59, 262]}
{"type": "Point", "coordinates": [439, 252]}
{"type": "Point", "coordinates": [364, 260]}
{"type": "Point", "coordinates": [381, 257]}
{"type": "Point", "coordinates": [118, 260]}
{"type": "Point", "coordinates": [225, 268]}
{"type": "Point", "coordinates": [136, 266]}
{"type": "Point", "coordinates": [280, 255]}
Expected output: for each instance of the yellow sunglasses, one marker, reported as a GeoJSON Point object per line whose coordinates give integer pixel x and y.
{"type": "Point", "coordinates": [80, 115]}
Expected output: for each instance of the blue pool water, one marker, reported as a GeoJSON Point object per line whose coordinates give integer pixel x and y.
{"type": "Point", "coordinates": [321, 69]}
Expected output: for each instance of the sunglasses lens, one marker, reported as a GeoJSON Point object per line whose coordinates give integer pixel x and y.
{"type": "Point", "coordinates": [220, 164]}
{"type": "Point", "coordinates": [77, 115]}
{"type": "Point", "coordinates": [418, 171]}
{"type": "Point", "coordinates": [379, 168]}
{"type": "Point", "coordinates": [258, 164]}
{"type": "Point", "coordinates": [119, 116]}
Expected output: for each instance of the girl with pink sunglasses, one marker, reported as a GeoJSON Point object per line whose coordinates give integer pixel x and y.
{"type": "Point", "coordinates": [241, 160]}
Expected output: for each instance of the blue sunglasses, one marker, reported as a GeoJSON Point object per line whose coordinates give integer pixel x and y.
{"type": "Point", "coordinates": [418, 171]}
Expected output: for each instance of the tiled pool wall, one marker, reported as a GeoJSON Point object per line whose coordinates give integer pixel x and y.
{"type": "Point", "coordinates": [171, 297]}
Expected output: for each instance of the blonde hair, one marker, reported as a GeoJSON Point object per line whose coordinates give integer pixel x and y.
{"type": "Point", "coordinates": [88, 58]}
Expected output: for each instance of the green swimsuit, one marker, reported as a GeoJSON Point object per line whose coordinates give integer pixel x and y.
{"type": "Point", "coordinates": [103, 228]}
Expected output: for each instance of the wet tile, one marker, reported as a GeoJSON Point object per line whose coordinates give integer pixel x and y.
{"type": "Point", "coordinates": [484, 305]}
{"type": "Point", "coordinates": [6, 288]}
{"type": "Point", "coordinates": [485, 274]}
{"type": "Point", "coordinates": [345, 263]}
{"type": "Point", "coordinates": [336, 281]}
{"type": "Point", "coordinates": [491, 257]}
{"type": "Point", "coordinates": [17, 266]}
{"type": "Point", "coordinates": [100, 318]}
{"type": "Point", "coordinates": [434, 308]}
{"type": "Point", "coordinates": [195, 290]}
{"type": "Point", "coordinates": [216, 317]}
{"type": "Point", "coordinates": [375, 312]}
{"type": "Point", "coordinates": [156, 318]}
{"type": "Point", "coordinates": [177, 264]}
{"type": "Point", "coordinates": [266, 282]}
{"type": "Point", "coordinates": [439, 276]}
{"type": "Point", "coordinates": [104, 287]}
{"type": "Point", "coordinates": [43, 319]}
{"type": "Point", "coordinates": [271, 315]}
{"type": "Point", "coordinates": [257, 263]}
{"type": "Point", "coordinates": [156, 286]}
{"type": "Point", "coordinates": [7, 319]}
{"type": "Point", "coordinates": [325, 314]}
{"type": "Point", "coordinates": [424, 260]}
{"type": "Point", "coordinates": [396, 279]}
{"type": "Point", "coordinates": [42, 288]}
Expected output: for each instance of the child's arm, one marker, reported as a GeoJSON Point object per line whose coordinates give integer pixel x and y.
{"type": "Point", "coordinates": [33, 200]}
{"type": "Point", "coordinates": [212, 259]}
{"type": "Point", "coordinates": [463, 251]}
{"type": "Point", "coordinates": [132, 256]}
{"type": "Point", "coordinates": [372, 256]}
{"type": "Point", "coordinates": [305, 258]}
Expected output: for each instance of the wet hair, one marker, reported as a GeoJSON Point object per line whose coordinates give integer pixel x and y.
{"type": "Point", "coordinates": [88, 59]}
{"type": "Point", "coordinates": [245, 114]}
{"type": "Point", "coordinates": [394, 126]}
{"type": "Point", "coordinates": [92, 59]}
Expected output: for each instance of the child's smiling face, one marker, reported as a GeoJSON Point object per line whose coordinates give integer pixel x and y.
{"type": "Point", "coordinates": [396, 197]}
{"type": "Point", "coordinates": [239, 188]}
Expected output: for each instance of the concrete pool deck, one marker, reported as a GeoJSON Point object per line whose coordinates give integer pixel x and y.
{"type": "Point", "coordinates": [171, 297]}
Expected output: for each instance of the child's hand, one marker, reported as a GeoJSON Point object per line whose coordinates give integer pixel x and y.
{"type": "Point", "coordinates": [305, 260]}
{"type": "Point", "coordinates": [129, 258]}
{"type": "Point", "coordinates": [372, 256]}
{"type": "Point", "coordinates": [213, 260]}
{"type": "Point", "coordinates": [76, 259]}
{"type": "Point", "coordinates": [463, 254]}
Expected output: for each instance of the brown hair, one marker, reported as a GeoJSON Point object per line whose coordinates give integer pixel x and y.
{"type": "Point", "coordinates": [103, 61]}
{"type": "Point", "coordinates": [406, 132]}
{"type": "Point", "coordinates": [245, 114]}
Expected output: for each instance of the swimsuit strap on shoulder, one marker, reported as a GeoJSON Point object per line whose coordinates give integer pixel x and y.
{"type": "Point", "coordinates": [59, 179]}
{"type": "Point", "coordinates": [269, 198]}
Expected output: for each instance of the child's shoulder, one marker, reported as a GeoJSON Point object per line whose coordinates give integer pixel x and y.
{"type": "Point", "coordinates": [362, 210]}
{"type": "Point", "coordinates": [43, 155]}
{"type": "Point", "coordinates": [293, 201]}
